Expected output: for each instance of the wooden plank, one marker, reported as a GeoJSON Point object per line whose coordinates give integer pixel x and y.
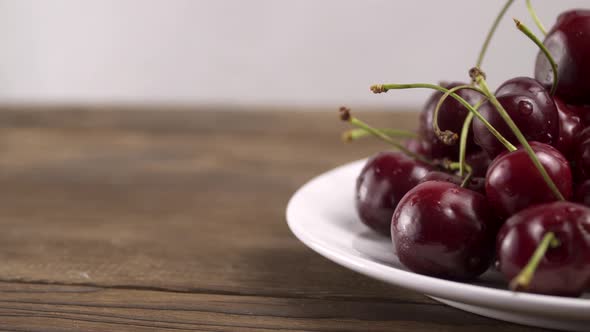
{"type": "Point", "coordinates": [75, 308]}
{"type": "Point", "coordinates": [173, 219]}
{"type": "Point", "coordinates": [114, 203]}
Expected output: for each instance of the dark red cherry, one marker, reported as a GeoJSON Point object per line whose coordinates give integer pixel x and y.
{"type": "Point", "coordinates": [583, 112]}
{"type": "Point", "coordinates": [450, 117]}
{"type": "Point", "coordinates": [582, 194]}
{"type": "Point", "coordinates": [475, 183]}
{"type": "Point", "coordinates": [419, 146]}
{"type": "Point", "coordinates": [565, 269]}
{"type": "Point", "coordinates": [568, 43]}
{"type": "Point", "coordinates": [582, 155]}
{"type": "Point", "coordinates": [479, 162]}
{"type": "Point", "coordinates": [513, 183]}
{"type": "Point", "coordinates": [529, 105]}
{"type": "Point", "coordinates": [382, 183]}
{"type": "Point", "coordinates": [443, 230]}
{"type": "Point", "coordinates": [570, 126]}
{"type": "Point", "coordinates": [584, 135]}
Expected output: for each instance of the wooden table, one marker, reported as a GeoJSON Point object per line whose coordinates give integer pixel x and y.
{"type": "Point", "coordinates": [145, 220]}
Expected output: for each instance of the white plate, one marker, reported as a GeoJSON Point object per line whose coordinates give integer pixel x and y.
{"type": "Point", "coordinates": [322, 215]}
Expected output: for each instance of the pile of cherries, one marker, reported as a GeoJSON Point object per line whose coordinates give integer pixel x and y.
{"type": "Point", "coordinates": [500, 177]}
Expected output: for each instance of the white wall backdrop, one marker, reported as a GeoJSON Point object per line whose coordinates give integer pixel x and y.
{"type": "Point", "coordinates": [255, 52]}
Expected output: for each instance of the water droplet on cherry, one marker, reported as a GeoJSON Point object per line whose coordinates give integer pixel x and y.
{"type": "Point", "coordinates": [525, 107]}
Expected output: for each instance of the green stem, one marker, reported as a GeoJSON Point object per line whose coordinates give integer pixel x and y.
{"type": "Point", "coordinates": [458, 165]}
{"type": "Point", "coordinates": [533, 13]}
{"type": "Point", "coordinates": [358, 133]}
{"type": "Point", "coordinates": [346, 116]}
{"type": "Point", "coordinates": [480, 80]}
{"type": "Point", "coordinates": [486, 43]}
{"type": "Point", "coordinates": [524, 278]}
{"type": "Point", "coordinates": [448, 137]}
{"type": "Point", "coordinates": [386, 87]}
{"type": "Point", "coordinates": [453, 166]}
{"type": "Point", "coordinates": [544, 49]}
{"type": "Point", "coordinates": [463, 143]}
{"type": "Point", "coordinates": [466, 180]}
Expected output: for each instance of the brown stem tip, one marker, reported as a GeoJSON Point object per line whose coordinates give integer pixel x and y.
{"type": "Point", "coordinates": [379, 88]}
{"type": "Point", "coordinates": [448, 137]}
{"type": "Point", "coordinates": [518, 23]}
{"type": "Point", "coordinates": [475, 72]}
{"type": "Point", "coordinates": [345, 113]}
{"type": "Point", "coordinates": [347, 136]}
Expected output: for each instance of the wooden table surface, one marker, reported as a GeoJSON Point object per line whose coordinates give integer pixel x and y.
{"type": "Point", "coordinates": [174, 220]}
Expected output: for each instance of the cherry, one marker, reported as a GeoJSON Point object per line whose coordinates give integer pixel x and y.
{"type": "Point", "coordinates": [529, 105]}
{"type": "Point", "coordinates": [479, 162]}
{"type": "Point", "coordinates": [583, 112]}
{"type": "Point", "coordinates": [565, 269]}
{"type": "Point", "coordinates": [513, 183]}
{"type": "Point", "coordinates": [451, 116]}
{"type": "Point", "coordinates": [568, 43]}
{"type": "Point", "coordinates": [382, 183]}
{"type": "Point", "coordinates": [443, 230]}
{"type": "Point", "coordinates": [570, 126]}
{"type": "Point", "coordinates": [475, 183]}
{"type": "Point", "coordinates": [418, 146]}
{"type": "Point", "coordinates": [582, 194]}
{"type": "Point", "coordinates": [582, 155]}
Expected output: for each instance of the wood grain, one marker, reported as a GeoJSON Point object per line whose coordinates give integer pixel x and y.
{"type": "Point", "coordinates": [142, 220]}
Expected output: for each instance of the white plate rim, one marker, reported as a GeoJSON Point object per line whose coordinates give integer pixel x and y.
{"type": "Point", "coordinates": [555, 306]}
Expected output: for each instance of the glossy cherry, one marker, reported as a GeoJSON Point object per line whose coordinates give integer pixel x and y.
{"type": "Point", "coordinates": [529, 105]}
{"type": "Point", "coordinates": [583, 111]}
{"type": "Point", "coordinates": [382, 183]}
{"type": "Point", "coordinates": [451, 116]}
{"type": "Point", "coordinates": [568, 43]}
{"type": "Point", "coordinates": [479, 162]}
{"type": "Point", "coordinates": [570, 126]}
{"type": "Point", "coordinates": [582, 156]}
{"type": "Point", "coordinates": [475, 183]}
{"type": "Point", "coordinates": [513, 183]}
{"type": "Point", "coordinates": [582, 193]}
{"type": "Point", "coordinates": [565, 269]}
{"type": "Point", "coordinates": [419, 146]}
{"type": "Point", "coordinates": [443, 230]}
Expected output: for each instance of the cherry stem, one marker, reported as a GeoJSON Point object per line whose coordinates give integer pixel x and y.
{"type": "Point", "coordinates": [466, 179]}
{"type": "Point", "coordinates": [346, 116]}
{"type": "Point", "coordinates": [524, 278]}
{"type": "Point", "coordinates": [486, 43]}
{"type": "Point", "coordinates": [478, 77]}
{"type": "Point", "coordinates": [536, 19]}
{"type": "Point", "coordinates": [453, 166]}
{"type": "Point", "coordinates": [386, 87]}
{"type": "Point", "coordinates": [463, 143]}
{"type": "Point", "coordinates": [457, 165]}
{"type": "Point", "coordinates": [358, 133]}
{"type": "Point", "coordinates": [544, 49]}
{"type": "Point", "coordinates": [448, 137]}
